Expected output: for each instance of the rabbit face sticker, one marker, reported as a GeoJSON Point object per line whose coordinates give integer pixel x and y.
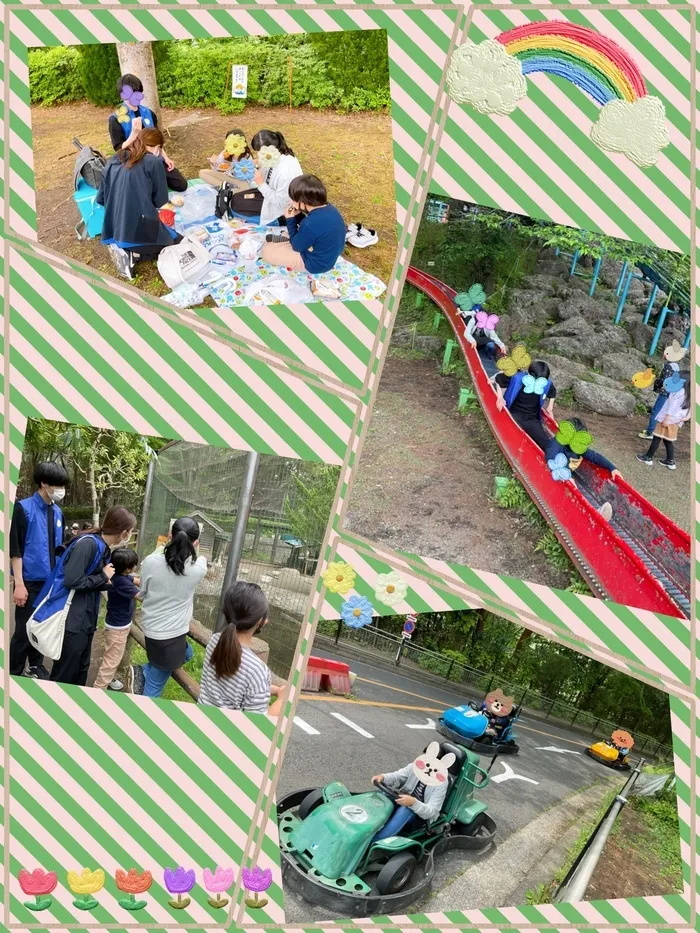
{"type": "Point", "coordinates": [431, 770]}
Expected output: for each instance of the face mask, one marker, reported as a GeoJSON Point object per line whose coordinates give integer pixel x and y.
{"type": "Point", "coordinates": [57, 494]}
{"type": "Point", "coordinates": [124, 541]}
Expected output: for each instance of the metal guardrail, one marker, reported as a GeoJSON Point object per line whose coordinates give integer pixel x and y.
{"type": "Point", "coordinates": [573, 888]}
{"type": "Point", "coordinates": [372, 640]}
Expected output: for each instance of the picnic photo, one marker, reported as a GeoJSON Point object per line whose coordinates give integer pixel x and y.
{"type": "Point", "coordinates": [164, 569]}
{"type": "Point", "coordinates": [220, 172]}
{"type": "Point", "coordinates": [457, 761]}
{"type": "Point", "coordinates": [533, 415]}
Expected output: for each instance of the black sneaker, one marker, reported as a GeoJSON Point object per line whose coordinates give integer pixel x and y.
{"type": "Point", "coordinates": [669, 464]}
{"type": "Point", "coordinates": [135, 680]}
{"type": "Point", "coordinates": [643, 458]}
{"type": "Point", "coordinates": [39, 672]}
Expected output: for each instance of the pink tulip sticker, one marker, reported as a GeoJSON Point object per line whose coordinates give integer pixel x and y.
{"type": "Point", "coordinates": [256, 880]}
{"type": "Point", "coordinates": [39, 884]}
{"type": "Point", "coordinates": [218, 882]}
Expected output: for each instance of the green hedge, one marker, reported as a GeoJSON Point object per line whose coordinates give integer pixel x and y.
{"type": "Point", "coordinates": [343, 71]}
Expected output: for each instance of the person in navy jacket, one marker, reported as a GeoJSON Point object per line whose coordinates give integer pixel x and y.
{"type": "Point", "coordinates": [36, 540]}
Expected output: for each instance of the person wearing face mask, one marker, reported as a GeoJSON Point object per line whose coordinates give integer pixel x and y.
{"type": "Point", "coordinates": [273, 183]}
{"type": "Point", "coordinates": [133, 190]}
{"type": "Point", "coordinates": [81, 556]}
{"type": "Point", "coordinates": [315, 233]}
{"type": "Point", "coordinates": [168, 581]}
{"type": "Point", "coordinates": [233, 676]}
{"type": "Point", "coordinates": [36, 539]}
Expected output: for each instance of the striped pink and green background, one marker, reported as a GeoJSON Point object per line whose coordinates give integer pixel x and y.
{"type": "Point", "coordinates": [84, 773]}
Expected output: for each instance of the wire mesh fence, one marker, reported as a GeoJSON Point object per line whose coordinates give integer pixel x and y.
{"type": "Point", "coordinates": [205, 483]}
{"type": "Point", "coordinates": [373, 642]}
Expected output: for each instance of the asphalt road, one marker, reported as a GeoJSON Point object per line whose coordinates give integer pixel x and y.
{"type": "Point", "coordinates": [390, 722]}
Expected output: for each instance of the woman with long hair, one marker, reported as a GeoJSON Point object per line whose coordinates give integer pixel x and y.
{"type": "Point", "coordinates": [87, 571]}
{"type": "Point", "coordinates": [133, 190]}
{"type": "Point", "coordinates": [168, 581]}
{"type": "Point", "coordinates": [273, 183]}
{"type": "Point", "coordinates": [233, 676]}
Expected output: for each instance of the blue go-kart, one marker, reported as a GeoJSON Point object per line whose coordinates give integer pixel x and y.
{"type": "Point", "coordinates": [467, 725]}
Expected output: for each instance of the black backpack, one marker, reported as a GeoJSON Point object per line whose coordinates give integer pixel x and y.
{"type": "Point", "coordinates": [230, 202]}
{"type": "Point", "coordinates": [89, 165]}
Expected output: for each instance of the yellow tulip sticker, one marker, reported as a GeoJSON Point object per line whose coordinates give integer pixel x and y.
{"type": "Point", "coordinates": [86, 883]}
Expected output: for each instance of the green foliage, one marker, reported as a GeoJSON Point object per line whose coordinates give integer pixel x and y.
{"type": "Point", "coordinates": [308, 517]}
{"type": "Point", "coordinates": [54, 75]}
{"type": "Point", "coordinates": [343, 71]}
{"type": "Point", "coordinates": [549, 545]}
{"type": "Point", "coordinates": [98, 73]}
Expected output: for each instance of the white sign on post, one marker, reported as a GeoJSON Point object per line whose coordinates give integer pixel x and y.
{"type": "Point", "coordinates": [239, 81]}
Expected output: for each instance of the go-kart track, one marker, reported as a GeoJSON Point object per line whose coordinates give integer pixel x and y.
{"type": "Point", "coordinates": [391, 722]}
{"type": "Point", "coordinates": [640, 557]}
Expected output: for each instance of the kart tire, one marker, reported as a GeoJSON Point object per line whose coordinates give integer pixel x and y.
{"type": "Point", "coordinates": [396, 874]}
{"type": "Point", "coordinates": [472, 829]}
{"type": "Point", "coordinates": [312, 800]}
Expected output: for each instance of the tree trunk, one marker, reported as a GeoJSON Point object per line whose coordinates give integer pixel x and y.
{"type": "Point", "coordinates": [136, 58]}
{"type": "Point", "coordinates": [93, 494]}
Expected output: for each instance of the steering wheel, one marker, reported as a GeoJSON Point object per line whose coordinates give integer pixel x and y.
{"type": "Point", "coordinates": [386, 790]}
{"type": "Point", "coordinates": [475, 706]}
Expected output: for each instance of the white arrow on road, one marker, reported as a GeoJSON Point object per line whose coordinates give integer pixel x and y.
{"type": "Point", "coordinates": [559, 751]}
{"type": "Point", "coordinates": [430, 724]}
{"type": "Point", "coordinates": [510, 775]}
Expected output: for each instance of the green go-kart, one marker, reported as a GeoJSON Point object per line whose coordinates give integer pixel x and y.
{"type": "Point", "coordinates": [329, 856]}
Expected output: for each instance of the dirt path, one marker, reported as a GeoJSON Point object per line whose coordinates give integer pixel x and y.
{"type": "Point", "coordinates": [617, 439]}
{"type": "Point", "coordinates": [426, 477]}
{"type": "Point", "coordinates": [360, 178]}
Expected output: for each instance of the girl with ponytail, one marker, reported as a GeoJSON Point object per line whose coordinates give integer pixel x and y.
{"type": "Point", "coordinates": [133, 190]}
{"type": "Point", "coordinates": [273, 183]}
{"type": "Point", "coordinates": [168, 583]}
{"type": "Point", "coordinates": [233, 676]}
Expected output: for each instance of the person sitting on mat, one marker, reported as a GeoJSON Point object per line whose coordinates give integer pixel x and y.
{"type": "Point", "coordinates": [525, 395]}
{"type": "Point", "coordinates": [273, 183]}
{"type": "Point", "coordinates": [132, 116]}
{"type": "Point", "coordinates": [237, 161]}
{"type": "Point", "coordinates": [315, 234]}
{"type": "Point", "coordinates": [134, 188]}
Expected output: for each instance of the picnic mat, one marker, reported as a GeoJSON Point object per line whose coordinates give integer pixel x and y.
{"type": "Point", "coordinates": [229, 289]}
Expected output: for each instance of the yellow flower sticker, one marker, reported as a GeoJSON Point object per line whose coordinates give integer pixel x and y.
{"type": "Point", "coordinates": [123, 114]}
{"type": "Point", "coordinates": [235, 145]}
{"type": "Point", "coordinates": [339, 577]}
{"type": "Point", "coordinates": [87, 882]}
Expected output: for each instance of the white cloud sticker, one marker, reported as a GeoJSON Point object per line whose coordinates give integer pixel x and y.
{"type": "Point", "coordinates": [486, 77]}
{"type": "Point", "coordinates": [637, 129]}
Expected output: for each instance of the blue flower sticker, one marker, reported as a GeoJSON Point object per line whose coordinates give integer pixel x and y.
{"type": "Point", "coordinates": [356, 612]}
{"type": "Point", "coordinates": [560, 467]}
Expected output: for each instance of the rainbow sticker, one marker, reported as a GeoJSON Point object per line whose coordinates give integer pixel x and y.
{"type": "Point", "coordinates": [490, 76]}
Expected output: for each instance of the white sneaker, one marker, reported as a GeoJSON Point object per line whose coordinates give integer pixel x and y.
{"type": "Point", "coordinates": [115, 685]}
{"type": "Point", "coordinates": [352, 230]}
{"type": "Point", "coordinates": [363, 238]}
{"type": "Point", "coordinates": [122, 261]}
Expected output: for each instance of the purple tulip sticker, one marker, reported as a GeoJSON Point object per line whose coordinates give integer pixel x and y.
{"type": "Point", "coordinates": [217, 882]}
{"type": "Point", "coordinates": [179, 881]}
{"type": "Point", "coordinates": [256, 880]}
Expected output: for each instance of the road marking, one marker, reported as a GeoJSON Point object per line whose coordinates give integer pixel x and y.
{"type": "Point", "coordinates": [305, 726]}
{"type": "Point", "coordinates": [510, 775]}
{"type": "Point", "coordinates": [430, 724]}
{"type": "Point", "coordinates": [559, 751]}
{"type": "Point", "coordinates": [332, 699]}
{"type": "Point", "coordinates": [349, 722]}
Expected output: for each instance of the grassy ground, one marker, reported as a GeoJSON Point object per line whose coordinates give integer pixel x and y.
{"type": "Point", "coordinates": [358, 173]}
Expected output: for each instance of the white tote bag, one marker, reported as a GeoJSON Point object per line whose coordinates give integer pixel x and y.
{"type": "Point", "coordinates": [47, 635]}
{"type": "Point", "coordinates": [186, 262]}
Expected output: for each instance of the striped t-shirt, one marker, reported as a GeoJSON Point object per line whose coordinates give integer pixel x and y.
{"type": "Point", "coordinates": [248, 689]}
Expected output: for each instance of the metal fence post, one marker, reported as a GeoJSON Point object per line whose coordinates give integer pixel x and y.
{"type": "Point", "coordinates": [397, 659]}
{"type": "Point", "coordinates": [245, 501]}
{"type": "Point", "coordinates": [551, 707]}
{"type": "Point", "coordinates": [338, 630]}
{"type": "Point", "coordinates": [146, 505]}
{"type": "Point", "coordinates": [449, 669]}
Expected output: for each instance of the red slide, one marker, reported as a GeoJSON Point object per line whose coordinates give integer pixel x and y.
{"type": "Point", "coordinates": [640, 558]}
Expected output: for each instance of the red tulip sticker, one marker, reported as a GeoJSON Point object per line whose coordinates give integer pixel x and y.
{"type": "Point", "coordinates": [39, 884]}
{"type": "Point", "coordinates": [132, 883]}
